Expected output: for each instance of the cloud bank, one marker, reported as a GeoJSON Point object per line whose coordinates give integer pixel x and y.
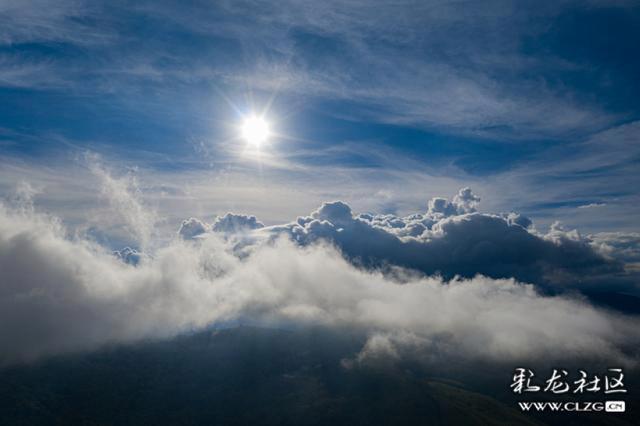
{"type": "Point", "coordinates": [61, 294]}
{"type": "Point", "coordinates": [452, 239]}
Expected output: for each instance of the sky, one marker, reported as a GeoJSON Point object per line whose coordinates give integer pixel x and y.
{"type": "Point", "coordinates": [484, 154]}
{"type": "Point", "coordinates": [382, 105]}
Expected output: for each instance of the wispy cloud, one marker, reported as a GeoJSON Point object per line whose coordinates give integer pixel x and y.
{"type": "Point", "coordinates": [592, 205]}
{"type": "Point", "coordinates": [469, 82]}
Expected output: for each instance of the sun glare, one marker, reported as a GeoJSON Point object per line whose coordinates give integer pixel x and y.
{"type": "Point", "coordinates": [255, 130]}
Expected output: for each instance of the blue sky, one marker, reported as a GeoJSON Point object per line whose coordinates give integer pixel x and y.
{"type": "Point", "coordinates": [131, 205]}
{"type": "Point", "coordinates": [381, 104]}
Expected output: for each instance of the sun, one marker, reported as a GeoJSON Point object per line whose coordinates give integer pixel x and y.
{"type": "Point", "coordinates": [255, 130]}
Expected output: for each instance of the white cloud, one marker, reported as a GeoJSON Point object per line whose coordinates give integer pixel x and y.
{"type": "Point", "coordinates": [452, 239]}
{"type": "Point", "coordinates": [550, 185]}
{"type": "Point", "coordinates": [23, 21]}
{"type": "Point", "coordinates": [60, 295]}
{"type": "Point", "coordinates": [192, 227]}
{"type": "Point", "coordinates": [619, 245]}
{"type": "Point", "coordinates": [236, 223]}
{"type": "Point", "coordinates": [592, 205]}
{"type": "Point", "coordinates": [471, 84]}
{"type": "Point", "coordinates": [125, 200]}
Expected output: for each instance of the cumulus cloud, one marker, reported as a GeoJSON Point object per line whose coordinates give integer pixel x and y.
{"type": "Point", "coordinates": [129, 255]}
{"type": "Point", "coordinates": [453, 239]}
{"type": "Point", "coordinates": [518, 219]}
{"type": "Point", "coordinates": [230, 224]}
{"type": "Point", "coordinates": [234, 223]}
{"type": "Point", "coordinates": [192, 227]}
{"type": "Point", "coordinates": [465, 201]}
{"type": "Point", "coordinates": [619, 245]}
{"type": "Point", "coordinates": [60, 295]}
